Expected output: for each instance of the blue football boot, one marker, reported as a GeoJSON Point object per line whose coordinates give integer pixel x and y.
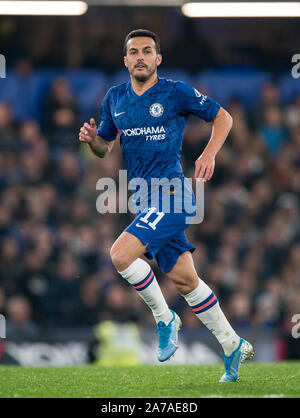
{"type": "Point", "coordinates": [233, 362]}
{"type": "Point", "coordinates": [168, 337]}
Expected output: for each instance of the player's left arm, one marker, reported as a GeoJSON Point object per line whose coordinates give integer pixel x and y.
{"type": "Point", "coordinates": [205, 164]}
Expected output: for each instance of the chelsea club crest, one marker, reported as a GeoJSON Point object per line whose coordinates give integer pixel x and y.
{"type": "Point", "coordinates": [156, 110]}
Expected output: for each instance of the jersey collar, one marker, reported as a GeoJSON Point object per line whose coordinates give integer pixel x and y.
{"type": "Point", "coordinates": [148, 91]}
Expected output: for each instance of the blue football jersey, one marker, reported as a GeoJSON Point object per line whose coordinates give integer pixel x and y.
{"type": "Point", "coordinates": [151, 126]}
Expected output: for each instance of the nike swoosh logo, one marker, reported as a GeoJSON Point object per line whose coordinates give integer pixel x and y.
{"type": "Point", "coordinates": [141, 226]}
{"type": "Point", "coordinates": [118, 114]}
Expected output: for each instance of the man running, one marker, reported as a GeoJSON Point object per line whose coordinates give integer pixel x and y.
{"type": "Point", "coordinates": [150, 114]}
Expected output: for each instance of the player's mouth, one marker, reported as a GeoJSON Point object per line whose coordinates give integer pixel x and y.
{"type": "Point", "coordinates": [140, 66]}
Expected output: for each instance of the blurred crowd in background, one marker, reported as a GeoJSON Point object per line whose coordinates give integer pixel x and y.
{"type": "Point", "coordinates": [55, 268]}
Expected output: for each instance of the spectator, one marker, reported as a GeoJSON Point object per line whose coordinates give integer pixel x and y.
{"type": "Point", "coordinates": [292, 114]}
{"type": "Point", "coordinates": [19, 323]}
{"type": "Point", "coordinates": [59, 97]}
{"type": "Point", "coordinates": [88, 307]}
{"type": "Point", "coordinates": [8, 137]}
{"type": "Point", "coordinates": [239, 310]}
{"type": "Point", "coordinates": [10, 268]}
{"type": "Point", "coordinates": [272, 129]}
{"type": "Point", "coordinates": [61, 117]}
{"type": "Point", "coordinates": [269, 98]}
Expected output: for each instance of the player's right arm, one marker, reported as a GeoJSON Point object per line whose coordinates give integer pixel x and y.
{"type": "Point", "coordinates": [101, 139]}
{"type": "Point", "coordinates": [88, 134]}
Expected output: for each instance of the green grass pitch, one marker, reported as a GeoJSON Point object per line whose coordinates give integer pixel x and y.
{"type": "Point", "coordinates": [256, 380]}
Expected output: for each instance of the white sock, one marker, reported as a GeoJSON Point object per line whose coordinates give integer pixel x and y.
{"type": "Point", "coordinates": [205, 305]}
{"type": "Point", "coordinates": [140, 275]}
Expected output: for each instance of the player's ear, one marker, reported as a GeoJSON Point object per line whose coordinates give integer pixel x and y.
{"type": "Point", "coordinates": [158, 59]}
{"type": "Point", "coordinates": [125, 61]}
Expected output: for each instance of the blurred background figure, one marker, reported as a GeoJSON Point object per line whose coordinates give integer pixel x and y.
{"type": "Point", "coordinates": [60, 115]}
{"type": "Point", "coordinates": [19, 319]}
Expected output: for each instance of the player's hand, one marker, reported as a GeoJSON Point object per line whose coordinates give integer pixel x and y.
{"type": "Point", "coordinates": [204, 166]}
{"type": "Point", "coordinates": [88, 131]}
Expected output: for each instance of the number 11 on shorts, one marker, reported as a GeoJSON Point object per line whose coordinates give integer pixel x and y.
{"type": "Point", "coordinates": [155, 222]}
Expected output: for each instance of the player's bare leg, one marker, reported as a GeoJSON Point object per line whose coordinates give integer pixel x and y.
{"type": "Point", "coordinates": [203, 302]}
{"type": "Point", "coordinates": [184, 274]}
{"type": "Point", "coordinates": [205, 305]}
{"type": "Point", "coordinates": [125, 254]}
{"type": "Point", "coordinates": [125, 250]}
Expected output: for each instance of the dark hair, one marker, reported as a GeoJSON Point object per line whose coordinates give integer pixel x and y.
{"type": "Point", "coordinates": [139, 33]}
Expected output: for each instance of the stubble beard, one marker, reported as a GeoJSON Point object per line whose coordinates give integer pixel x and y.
{"type": "Point", "coordinates": [142, 78]}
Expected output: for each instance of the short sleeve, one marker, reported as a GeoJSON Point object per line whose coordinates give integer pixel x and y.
{"type": "Point", "coordinates": [107, 129]}
{"type": "Point", "coordinates": [191, 101]}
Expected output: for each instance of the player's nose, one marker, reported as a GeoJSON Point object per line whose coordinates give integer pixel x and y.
{"type": "Point", "coordinates": [140, 62]}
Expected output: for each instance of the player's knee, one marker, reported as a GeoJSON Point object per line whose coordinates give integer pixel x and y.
{"type": "Point", "coordinates": [184, 288]}
{"type": "Point", "coordinates": [119, 262]}
{"type": "Point", "coordinates": [119, 259]}
{"type": "Point", "coordinates": [184, 285]}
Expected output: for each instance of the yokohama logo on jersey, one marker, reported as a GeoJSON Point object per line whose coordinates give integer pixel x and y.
{"type": "Point", "coordinates": [149, 130]}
